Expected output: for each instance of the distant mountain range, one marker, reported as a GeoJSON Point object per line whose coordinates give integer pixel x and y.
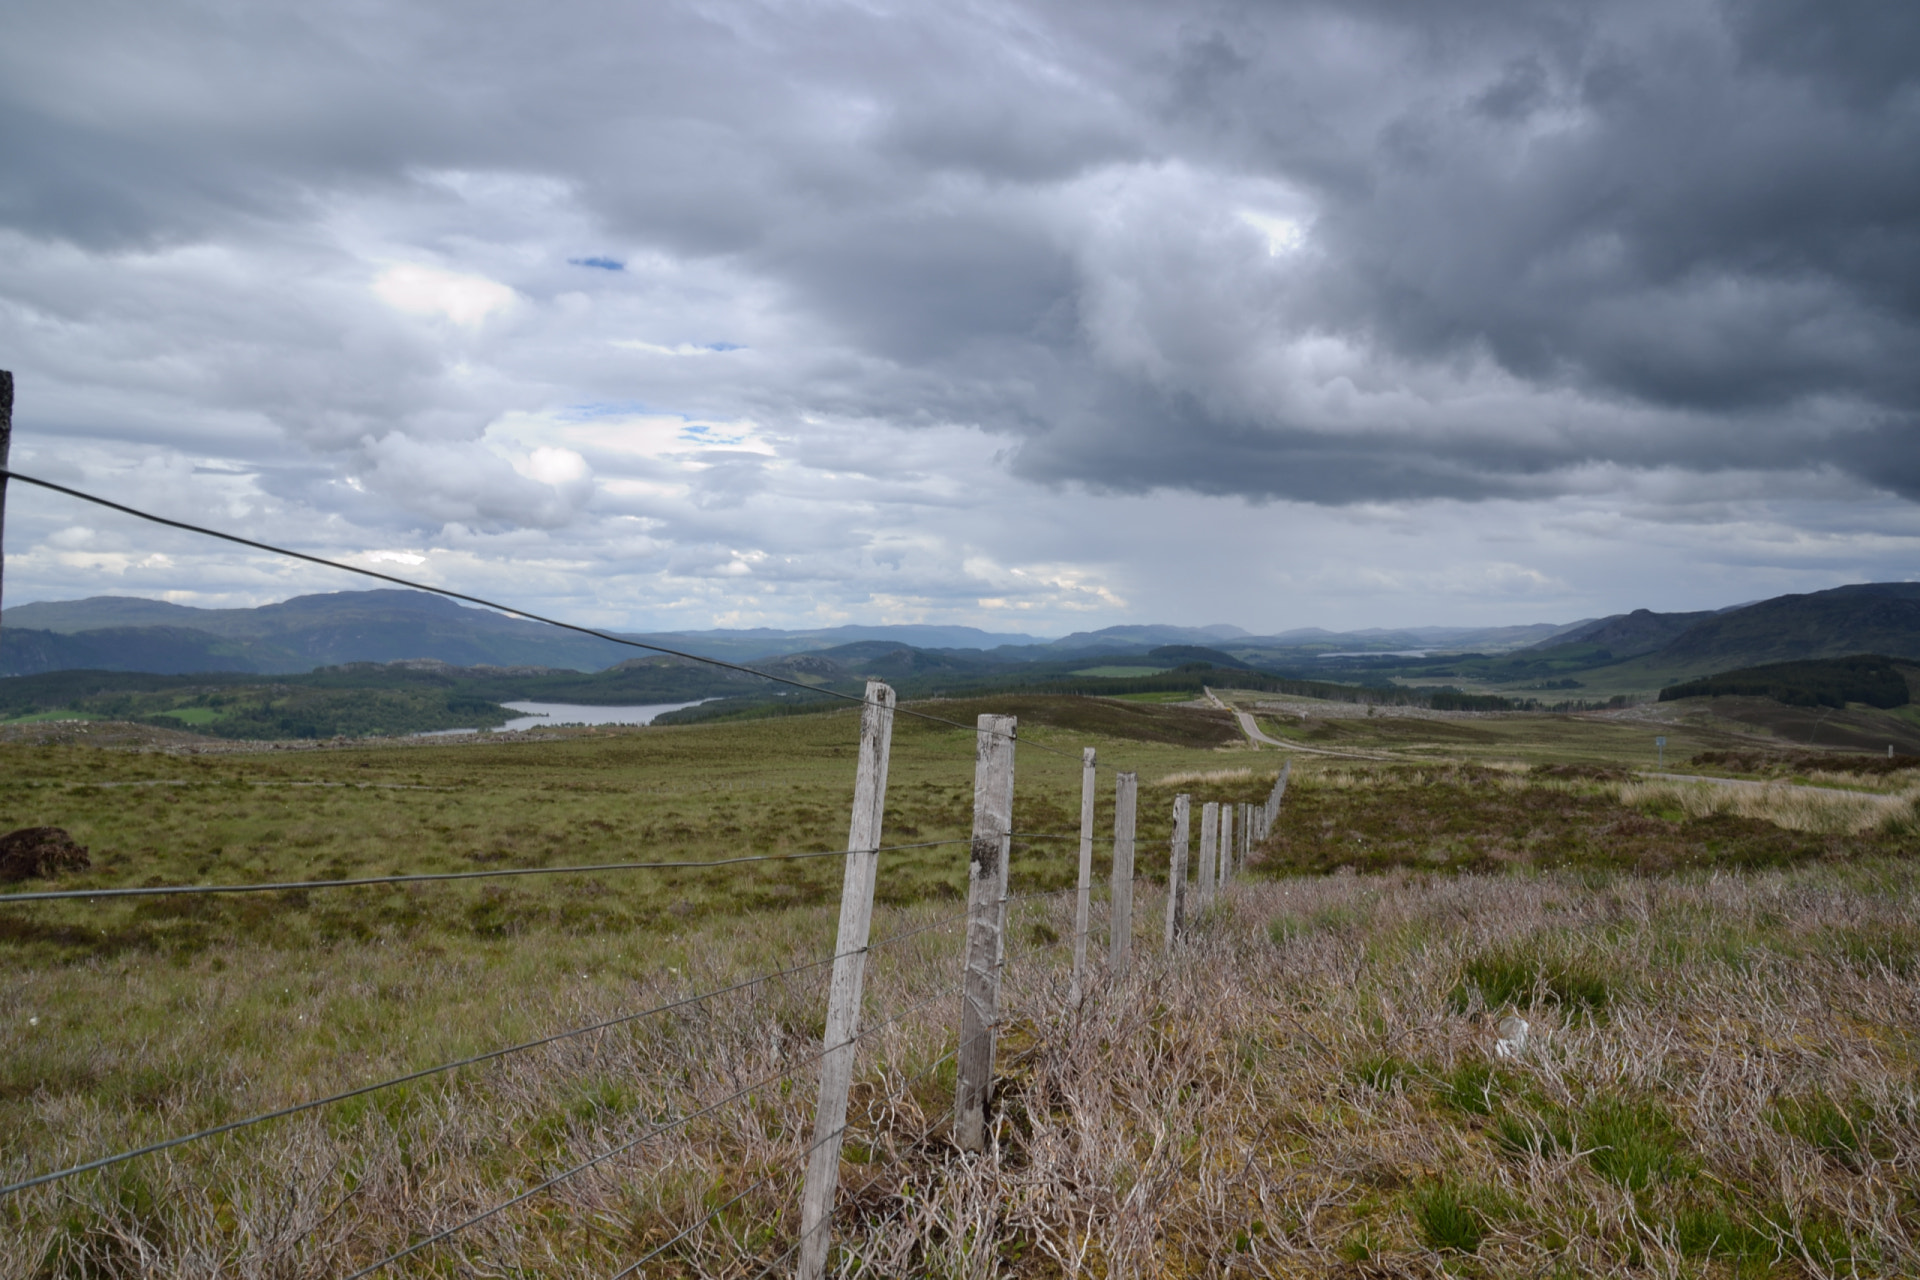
{"type": "Point", "coordinates": [1641, 649]}
{"type": "Point", "coordinates": [123, 633]}
{"type": "Point", "coordinates": [126, 633]}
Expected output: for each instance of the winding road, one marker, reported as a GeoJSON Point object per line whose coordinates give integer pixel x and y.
{"type": "Point", "coordinates": [1252, 730]}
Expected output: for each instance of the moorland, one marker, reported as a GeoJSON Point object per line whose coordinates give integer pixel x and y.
{"type": "Point", "coordinates": [1716, 974]}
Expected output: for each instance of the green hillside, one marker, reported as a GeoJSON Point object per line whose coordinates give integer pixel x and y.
{"type": "Point", "coordinates": [1880, 617]}
{"type": "Point", "coordinates": [1826, 682]}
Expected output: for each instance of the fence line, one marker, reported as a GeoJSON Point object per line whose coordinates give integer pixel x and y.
{"type": "Point", "coordinates": [288, 886]}
{"type": "Point", "coordinates": [629, 1145]}
{"type": "Point", "coordinates": [985, 955]}
{"type": "Point", "coordinates": [817, 1144]}
{"type": "Point", "coordinates": [824, 1223]}
{"type": "Point", "coordinates": [7, 474]}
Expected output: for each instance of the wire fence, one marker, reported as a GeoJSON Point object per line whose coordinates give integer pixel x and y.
{"type": "Point", "coordinates": [7, 474]}
{"type": "Point", "coordinates": [986, 913]}
{"type": "Point", "coordinates": [360, 882]}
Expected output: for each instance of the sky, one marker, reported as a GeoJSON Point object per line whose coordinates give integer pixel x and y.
{"type": "Point", "coordinates": [1030, 316]}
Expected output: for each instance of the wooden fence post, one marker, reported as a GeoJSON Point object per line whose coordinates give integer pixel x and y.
{"type": "Point", "coordinates": [849, 977]}
{"type": "Point", "coordinates": [1126, 788]}
{"type": "Point", "coordinates": [980, 1003]}
{"type": "Point", "coordinates": [1177, 870]}
{"type": "Point", "coordinates": [1226, 845]}
{"type": "Point", "coordinates": [1209, 851]}
{"type": "Point", "coordinates": [1246, 834]}
{"type": "Point", "coordinates": [1083, 903]}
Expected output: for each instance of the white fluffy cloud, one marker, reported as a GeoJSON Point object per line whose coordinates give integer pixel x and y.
{"type": "Point", "coordinates": [429, 291]}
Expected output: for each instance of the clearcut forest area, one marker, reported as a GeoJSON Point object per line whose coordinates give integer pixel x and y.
{"type": "Point", "coordinates": [1717, 1075]}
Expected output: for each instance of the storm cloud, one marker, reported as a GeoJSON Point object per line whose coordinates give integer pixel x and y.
{"type": "Point", "coordinates": [719, 294]}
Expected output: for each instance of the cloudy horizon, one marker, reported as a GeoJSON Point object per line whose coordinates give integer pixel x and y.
{"type": "Point", "coordinates": [1026, 316]}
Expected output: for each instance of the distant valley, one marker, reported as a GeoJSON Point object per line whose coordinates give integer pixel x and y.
{"type": "Point", "coordinates": [384, 662]}
{"type": "Point", "coordinates": [121, 633]}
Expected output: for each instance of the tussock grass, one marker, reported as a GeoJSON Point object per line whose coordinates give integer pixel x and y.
{"type": "Point", "coordinates": [1720, 1077]}
{"type": "Point", "coordinates": [1188, 777]}
{"type": "Point", "coordinates": [1794, 808]}
{"type": "Point", "coordinates": [1260, 1102]}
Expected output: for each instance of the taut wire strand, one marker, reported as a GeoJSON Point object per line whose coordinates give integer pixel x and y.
{"type": "Point", "coordinates": [7, 474]}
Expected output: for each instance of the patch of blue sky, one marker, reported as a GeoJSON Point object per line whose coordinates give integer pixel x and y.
{"type": "Point", "coordinates": [706, 433]}
{"type": "Point", "coordinates": [724, 346]}
{"type": "Point", "coordinates": [599, 264]}
{"type": "Point", "coordinates": [615, 409]}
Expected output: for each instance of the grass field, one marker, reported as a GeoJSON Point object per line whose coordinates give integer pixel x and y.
{"type": "Point", "coordinates": [1723, 1075]}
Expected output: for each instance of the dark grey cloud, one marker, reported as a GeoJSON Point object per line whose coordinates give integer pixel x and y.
{"type": "Point", "coordinates": [1331, 251]}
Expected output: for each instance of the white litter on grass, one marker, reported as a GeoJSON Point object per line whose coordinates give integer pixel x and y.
{"type": "Point", "coordinates": [1513, 1037]}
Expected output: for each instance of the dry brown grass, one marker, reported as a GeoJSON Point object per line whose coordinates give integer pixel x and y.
{"type": "Point", "coordinates": [1822, 811]}
{"type": "Point", "coordinates": [1721, 1077]}
{"type": "Point", "coordinates": [1190, 777]}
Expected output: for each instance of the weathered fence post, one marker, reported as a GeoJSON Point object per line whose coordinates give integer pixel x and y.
{"type": "Point", "coordinates": [849, 977]}
{"type": "Point", "coordinates": [1083, 903]}
{"type": "Point", "coordinates": [1246, 834]}
{"type": "Point", "coordinates": [1126, 787]}
{"type": "Point", "coordinates": [980, 1001]}
{"type": "Point", "coordinates": [1209, 851]}
{"type": "Point", "coordinates": [1226, 845]}
{"type": "Point", "coordinates": [1177, 870]}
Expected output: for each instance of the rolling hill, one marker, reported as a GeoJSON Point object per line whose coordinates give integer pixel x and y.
{"type": "Point", "coordinates": [122, 633]}
{"type": "Point", "coordinates": [1877, 617]}
{"type": "Point", "coordinates": [1637, 652]}
{"type": "Point", "coordinates": [1626, 635]}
